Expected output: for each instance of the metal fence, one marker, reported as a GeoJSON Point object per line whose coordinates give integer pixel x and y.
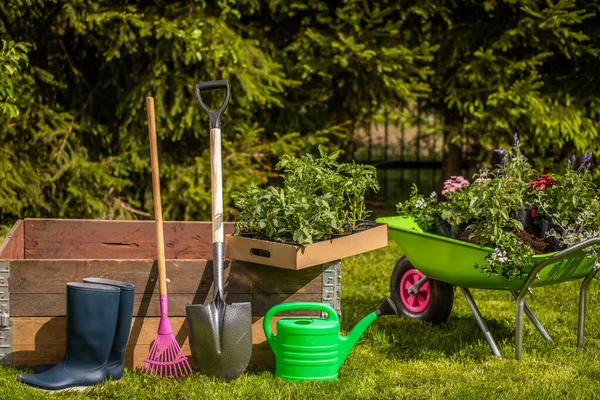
{"type": "Point", "coordinates": [405, 152]}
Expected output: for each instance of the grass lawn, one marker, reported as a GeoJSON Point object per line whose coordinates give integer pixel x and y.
{"type": "Point", "coordinates": [402, 358]}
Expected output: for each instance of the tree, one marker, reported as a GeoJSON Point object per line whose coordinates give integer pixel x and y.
{"type": "Point", "coordinates": [511, 66]}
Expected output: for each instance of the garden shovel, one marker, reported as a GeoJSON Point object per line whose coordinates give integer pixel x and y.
{"type": "Point", "coordinates": [220, 333]}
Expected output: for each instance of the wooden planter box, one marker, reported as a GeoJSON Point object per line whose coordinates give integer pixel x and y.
{"type": "Point", "coordinates": [39, 256]}
{"type": "Point", "coordinates": [294, 257]}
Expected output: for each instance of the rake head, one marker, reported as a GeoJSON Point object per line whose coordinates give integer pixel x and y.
{"type": "Point", "coordinates": [166, 359]}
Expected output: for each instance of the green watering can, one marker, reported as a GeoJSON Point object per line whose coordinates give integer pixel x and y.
{"type": "Point", "coordinates": [312, 348]}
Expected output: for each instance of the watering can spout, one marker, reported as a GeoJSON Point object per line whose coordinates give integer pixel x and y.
{"type": "Point", "coordinates": [346, 343]}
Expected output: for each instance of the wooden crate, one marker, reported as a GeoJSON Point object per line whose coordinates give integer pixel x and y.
{"type": "Point", "coordinates": [39, 256]}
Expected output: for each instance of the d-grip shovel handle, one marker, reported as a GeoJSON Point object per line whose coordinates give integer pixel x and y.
{"type": "Point", "coordinates": [331, 314]}
{"type": "Point", "coordinates": [215, 116]}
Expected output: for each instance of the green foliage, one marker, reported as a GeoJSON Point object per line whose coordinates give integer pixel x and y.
{"type": "Point", "coordinates": [523, 66]}
{"type": "Point", "coordinates": [13, 56]}
{"type": "Point", "coordinates": [422, 209]}
{"type": "Point", "coordinates": [303, 73]}
{"type": "Point", "coordinates": [319, 197]}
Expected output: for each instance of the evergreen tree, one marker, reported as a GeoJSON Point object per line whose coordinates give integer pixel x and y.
{"type": "Point", "coordinates": [525, 66]}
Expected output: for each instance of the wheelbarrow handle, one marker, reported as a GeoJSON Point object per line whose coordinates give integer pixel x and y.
{"type": "Point", "coordinates": [214, 116]}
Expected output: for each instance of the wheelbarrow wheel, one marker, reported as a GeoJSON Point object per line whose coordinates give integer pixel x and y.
{"type": "Point", "coordinates": [433, 302]}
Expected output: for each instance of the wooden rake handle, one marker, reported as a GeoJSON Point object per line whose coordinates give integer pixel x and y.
{"type": "Point", "coordinates": [160, 239]}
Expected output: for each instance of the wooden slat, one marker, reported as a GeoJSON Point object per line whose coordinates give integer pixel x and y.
{"type": "Point", "coordinates": [50, 305]}
{"type": "Point", "coordinates": [101, 239]}
{"type": "Point", "coordinates": [186, 276]}
{"type": "Point", "coordinates": [13, 247]}
{"type": "Point", "coordinates": [42, 340]}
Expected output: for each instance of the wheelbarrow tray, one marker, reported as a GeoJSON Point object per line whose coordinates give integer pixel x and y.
{"type": "Point", "coordinates": [453, 261]}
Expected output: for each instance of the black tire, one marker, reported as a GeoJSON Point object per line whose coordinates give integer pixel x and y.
{"type": "Point", "coordinates": [441, 296]}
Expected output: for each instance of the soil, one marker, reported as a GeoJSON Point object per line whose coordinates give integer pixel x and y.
{"type": "Point", "coordinates": [538, 244]}
{"type": "Point", "coordinates": [361, 226]}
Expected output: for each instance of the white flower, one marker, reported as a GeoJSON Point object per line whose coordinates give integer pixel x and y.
{"type": "Point", "coordinates": [420, 203]}
{"type": "Point", "coordinates": [498, 256]}
{"type": "Point", "coordinates": [433, 195]}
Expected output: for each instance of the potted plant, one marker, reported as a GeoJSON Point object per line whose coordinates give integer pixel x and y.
{"type": "Point", "coordinates": [317, 215]}
{"type": "Point", "coordinates": [513, 209]}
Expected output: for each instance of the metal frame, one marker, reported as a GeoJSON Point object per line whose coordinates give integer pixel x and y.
{"type": "Point", "coordinates": [533, 275]}
{"type": "Point", "coordinates": [522, 306]}
{"type": "Point", "coordinates": [5, 324]}
{"type": "Point", "coordinates": [332, 286]}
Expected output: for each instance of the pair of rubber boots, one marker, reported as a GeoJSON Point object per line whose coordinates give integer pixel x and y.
{"type": "Point", "coordinates": [99, 313]}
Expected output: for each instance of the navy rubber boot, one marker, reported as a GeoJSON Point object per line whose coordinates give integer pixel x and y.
{"type": "Point", "coordinates": [116, 360]}
{"type": "Point", "coordinates": [92, 312]}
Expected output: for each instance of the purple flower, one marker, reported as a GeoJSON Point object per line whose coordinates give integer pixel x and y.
{"type": "Point", "coordinates": [573, 159]}
{"type": "Point", "coordinates": [504, 160]}
{"type": "Point", "coordinates": [569, 161]}
{"type": "Point", "coordinates": [516, 139]}
{"type": "Point", "coordinates": [497, 172]}
{"type": "Point", "coordinates": [499, 151]}
{"type": "Point", "coordinates": [587, 157]}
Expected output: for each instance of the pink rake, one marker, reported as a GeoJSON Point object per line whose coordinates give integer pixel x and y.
{"type": "Point", "coordinates": [165, 359]}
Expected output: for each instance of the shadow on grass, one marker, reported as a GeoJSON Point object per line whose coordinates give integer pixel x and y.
{"type": "Point", "coordinates": [406, 338]}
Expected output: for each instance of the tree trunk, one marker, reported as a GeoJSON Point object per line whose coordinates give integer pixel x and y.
{"type": "Point", "coordinates": [452, 155]}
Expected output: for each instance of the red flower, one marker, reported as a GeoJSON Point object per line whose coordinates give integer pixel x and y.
{"type": "Point", "coordinates": [542, 182]}
{"type": "Point", "coordinates": [533, 213]}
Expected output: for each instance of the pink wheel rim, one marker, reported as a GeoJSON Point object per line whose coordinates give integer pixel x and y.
{"type": "Point", "coordinates": [420, 301]}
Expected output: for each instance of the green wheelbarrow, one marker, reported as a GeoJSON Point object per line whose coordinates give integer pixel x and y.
{"type": "Point", "coordinates": [422, 281]}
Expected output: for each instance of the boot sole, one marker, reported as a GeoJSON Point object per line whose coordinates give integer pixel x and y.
{"type": "Point", "coordinates": [69, 389]}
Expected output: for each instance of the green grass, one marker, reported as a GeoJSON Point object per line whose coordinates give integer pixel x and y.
{"type": "Point", "coordinates": [402, 358]}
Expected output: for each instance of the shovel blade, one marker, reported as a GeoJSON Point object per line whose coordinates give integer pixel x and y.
{"type": "Point", "coordinates": [220, 338]}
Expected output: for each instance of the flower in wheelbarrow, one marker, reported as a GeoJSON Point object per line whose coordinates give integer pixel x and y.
{"type": "Point", "coordinates": [585, 162]}
{"type": "Point", "coordinates": [542, 182]}
{"type": "Point", "coordinates": [498, 256]}
{"type": "Point", "coordinates": [455, 183]}
{"type": "Point", "coordinates": [421, 203]}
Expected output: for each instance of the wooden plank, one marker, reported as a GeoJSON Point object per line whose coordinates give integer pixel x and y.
{"type": "Point", "coordinates": [102, 239]}
{"type": "Point", "coordinates": [186, 276]}
{"type": "Point", "coordinates": [13, 247]}
{"type": "Point", "coordinates": [51, 305]}
{"type": "Point", "coordinates": [42, 340]}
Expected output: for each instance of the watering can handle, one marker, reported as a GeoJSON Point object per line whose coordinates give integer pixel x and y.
{"type": "Point", "coordinates": [215, 116]}
{"type": "Point", "coordinates": [331, 314]}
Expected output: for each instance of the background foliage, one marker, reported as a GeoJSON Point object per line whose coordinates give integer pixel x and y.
{"type": "Point", "coordinates": [74, 76]}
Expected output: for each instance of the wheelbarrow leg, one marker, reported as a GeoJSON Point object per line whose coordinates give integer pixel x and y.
{"type": "Point", "coordinates": [582, 301]}
{"type": "Point", "coordinates": [480, 321]}
{"type": "Point", "coordinates": [536, 322]}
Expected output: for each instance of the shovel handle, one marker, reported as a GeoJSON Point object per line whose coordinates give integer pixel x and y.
{"type": "Point", "coordinates": [160, 240]}
{"type": "Point", "coordinates": [331, 314]}
{"type": "Point", "coordinates": [215, 116]}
